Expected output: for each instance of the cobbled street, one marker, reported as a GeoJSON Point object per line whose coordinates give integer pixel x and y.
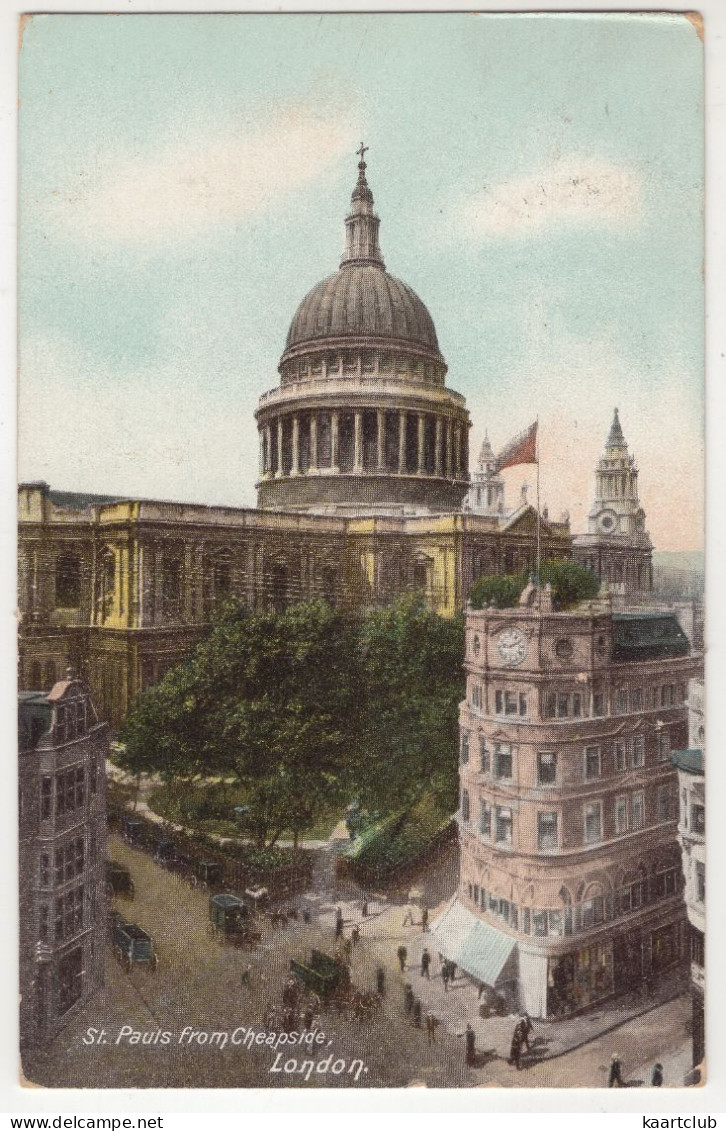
{"type": "Point", "coordinates": [199, 984]}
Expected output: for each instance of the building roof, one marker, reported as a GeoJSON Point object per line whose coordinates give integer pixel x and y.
{"type": "Point", "coordinates": [34, 715]}
{"type": "Point", "coordinates": [690, 761]}
{"type": "Point", "coordinates": [616, 439]}
{"type": "Point", "coordinates": [362, 300]}
{"type": "Point", "coordinates": [647, 636]}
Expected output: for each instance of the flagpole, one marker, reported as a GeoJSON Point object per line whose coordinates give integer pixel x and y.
{"type": "Point", "coordinates": [539, 524]}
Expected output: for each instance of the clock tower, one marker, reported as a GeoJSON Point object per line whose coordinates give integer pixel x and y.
{"type": "Point", "coordinates": [617, 546]}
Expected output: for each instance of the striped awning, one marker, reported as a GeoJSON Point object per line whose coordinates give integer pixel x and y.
{"type": "Point", "coordinates": [479, 949]}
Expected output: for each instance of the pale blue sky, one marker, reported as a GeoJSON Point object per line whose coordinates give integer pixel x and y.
{"type": "Point", "coordinates": [184, 181]}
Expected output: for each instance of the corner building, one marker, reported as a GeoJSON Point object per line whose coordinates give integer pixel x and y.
{"type": "Point", "coordinates": [570, 881]}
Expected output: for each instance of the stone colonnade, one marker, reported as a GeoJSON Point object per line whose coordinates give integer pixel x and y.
{"type": "Point", "coordinates": [399, 441]}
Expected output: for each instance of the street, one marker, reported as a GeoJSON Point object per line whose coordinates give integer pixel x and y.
{"type": "Point", "coordinates": [180, 1026]}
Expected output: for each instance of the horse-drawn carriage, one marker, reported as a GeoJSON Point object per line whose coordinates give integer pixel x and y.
{"type": "Point", "coordinates": [324, 975]}
{"type": "Point", "coordinates": [207, 874]}
{"type": "Point", "coordinates": [133, 946]}
{"type": "Point", "coordinates": [119, 881]}
{"type": "Point", "coordinates": [133, 831]}
{"type": "Point", "coordinates": [231, 922]}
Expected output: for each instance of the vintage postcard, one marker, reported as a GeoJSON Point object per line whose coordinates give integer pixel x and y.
{"type": "Point", "coordinates": [361, 508]}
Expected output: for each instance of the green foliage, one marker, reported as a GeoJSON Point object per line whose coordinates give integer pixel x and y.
{"type": "Point", "coordinates": [410, 684]}
{"type": "Point", "coordinates": [399, 838]}
{"type": "Point", "coordinates": [571, 583]}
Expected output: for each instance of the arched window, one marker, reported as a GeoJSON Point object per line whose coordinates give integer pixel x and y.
{"type": "Point", "coordinates": [592, 906]}
{"type": "Point", "coordinates": [68, 581]}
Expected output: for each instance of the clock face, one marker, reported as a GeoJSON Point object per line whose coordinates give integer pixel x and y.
{"type": "Point", "coordinates": [607, 522]}
{"type": "Point", "coordinates": [564, 649]}
{"type": "Point", "coordinates": [511, 646]}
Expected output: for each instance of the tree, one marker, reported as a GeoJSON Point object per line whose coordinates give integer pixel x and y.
{"type": "Point", "coordinates": [410, 685]}
{"type": "Point", "coordinates": [265, 699]}
{"type": "Point", "coordinates": [570, 583]}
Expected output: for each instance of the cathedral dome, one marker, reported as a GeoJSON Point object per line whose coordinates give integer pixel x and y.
{"type": "Point", "coordinates": [361, 300]}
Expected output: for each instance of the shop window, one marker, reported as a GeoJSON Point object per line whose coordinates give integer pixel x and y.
{"type": "Point", "coordinates": [638, 751]}
{"type": "Point", "coordinates": [503, 825]}
{"type": "Point", "coordinates": [555, 923]}
{"type": "Point", "coordinates": [546, 830]}
{"type": "Point", "coordinates": [621, 758]}
{"type": "Point", "coordinates": [485, 762]}
{"type": "Point", "coordinates": [546, 768]}
{"type": "Point", "coordinates": [503, 761]}
{"type": "Point", "coordinates": [540, 923]}
{"type": "Point", "coordinates": [592, 762]}
{"type": "Point", "coordinates": [593, 822]}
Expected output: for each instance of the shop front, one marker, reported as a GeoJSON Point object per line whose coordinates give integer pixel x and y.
{"type": "Point", "coordinates": [579, 979]}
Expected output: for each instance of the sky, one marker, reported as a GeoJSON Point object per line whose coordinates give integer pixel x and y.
{"type": "Point", "coordinates": [183, 184]}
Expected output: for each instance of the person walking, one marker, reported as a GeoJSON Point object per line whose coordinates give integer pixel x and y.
{"type": "Point", "coordinates": [445, 975]}
{"type": "Point", "coordinates": [408, 917]}
{"type": "Point", "coordinates": [408, 997]}
{"type": "Point", "coordinates": [515, 1051]}
{"type": "Point", "coordinates": [430, 1028]}
{"type": "Point", "coordinates": [615, 1075]}
{"type": "Point", "coordinates": [470, 1046]}
{"type": "Point", "coordinates": [417, 1013]}
{"type": "Point", "coordinates": [355, 935]}
{"type": "Point", "coordinates": [245, 975]}
{"type": "Point", "coordinates": [525, 1028]}
{"type": "Point", "coordinates": [402, 955]}
{"type": "Point", "coordinates": [656, 1078]}
{"type": "Point", "coordinates": [338, 922]}
{"type": "Point", "coordinates": [348, 950]}
{"type": "Point", "coordinates": [380, 981]}
{"type": "Point", "coordinates": [425, 920]}
{"type": "Point", "coordinates": [364, 907]}
{"type": "Point", "coordinates": [308, 1015]}
{"type": "Point", "coordinates": [425, 964]}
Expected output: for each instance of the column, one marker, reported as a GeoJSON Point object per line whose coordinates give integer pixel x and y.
{"type": "Point", "coordinates": [438, 455]}
{"type": "Point", "coordinates": [449, 448]}
{"type": "Point", "coordinates": [358, 441]}
{"type": "Point", "coordinates": [187, 586]}
{"type": "Point", "coordinates": [262, 453]}
{"type": "Point", "coordinates": [457, 451]}
{"type": "Point", "coordinates": [334, 442]}
{"type": "Point", "coordinates": [381, 438]}
{"type": "Point", "coordinates": [313, 442]}
{"type": "Point", "coordinates": [158, 611]}
{"type": "Point", "coordinates": [420, 467]}
{"type": "Point", "coordinates": [278, 469]}
{"type": "Point", "coordinates": [295, 470]}
{"type": "Point", "coordinates": [199, 610]}
{"type": "Point", "coordinates": [267, 469]}
{"type": "Point", "coordinates": [402, 443]}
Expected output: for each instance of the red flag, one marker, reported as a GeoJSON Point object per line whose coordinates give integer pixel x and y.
{"type": "Point", "coordinates": [522, 449]}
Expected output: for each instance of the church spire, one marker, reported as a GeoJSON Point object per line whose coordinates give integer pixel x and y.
{"type": "Point", "coordinates": [361, 224]}
{"type": "Point", "coordinates": [615, 438]}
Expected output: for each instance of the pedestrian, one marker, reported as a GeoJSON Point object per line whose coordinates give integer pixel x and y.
{"type": "Point", "coordinates": [431, 1028]}
{"type": "Point", "coordinates": [408, 917]}
{"type": "Point", "coordinates": [615, 1075]}
{"type": "Point", "coordinates": [381, 981]}
{"type": "Point", "coordinates": [364, 907]}
{"type": "Point", "coordinates": [271, 1020]}
{"type": "Point", "coordinates": [306, 915]}
{"type": "Point", "coordinates": [425, 920]}
{"type": "Point", "coordinates": [452, 971]}
{"type": "Point", "coordinates": [470, 1052]}
{"type": "Point", "coordinates": [425, 964]}
{"type": "Point", "coordinates": [308, 1015]}
{"type": "Point", "coordinates": [402, 955]}
{"type": "Point", "coordinates": [417, 1013]}
{"type": "Point", "coordinates": [289, 1022]}
{"type": "Point", "coordinates": [525, 1028]}
{"type": "Point", "coordinates": [445, 975]}
{"type": "Point", "coordinates": [348, 950]}
{"type": "Point", "coordinates": [245, 976]}
{"type": "Point", "coordinates": [515, 1051]}
{"type": "Point", "coordinates": [355, 935]}
{"type": "Point", "coordinates": [656, 1079]}
{"type": "Point", "coordinates": [338, 922]}
{"type": "Point", "coordinates": [408, 997]}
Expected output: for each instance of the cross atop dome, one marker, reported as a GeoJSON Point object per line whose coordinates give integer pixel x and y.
{"type": "Point", "coordinates": [361, 225]}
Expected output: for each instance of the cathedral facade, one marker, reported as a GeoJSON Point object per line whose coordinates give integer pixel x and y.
{"type": "Point", "coordinates": [363, 473]}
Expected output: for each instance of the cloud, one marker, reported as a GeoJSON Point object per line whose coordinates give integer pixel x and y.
{"type": "Point", "coordinates": [213, 176]}
{"type": "Point", "coordinates": [572, 190]}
